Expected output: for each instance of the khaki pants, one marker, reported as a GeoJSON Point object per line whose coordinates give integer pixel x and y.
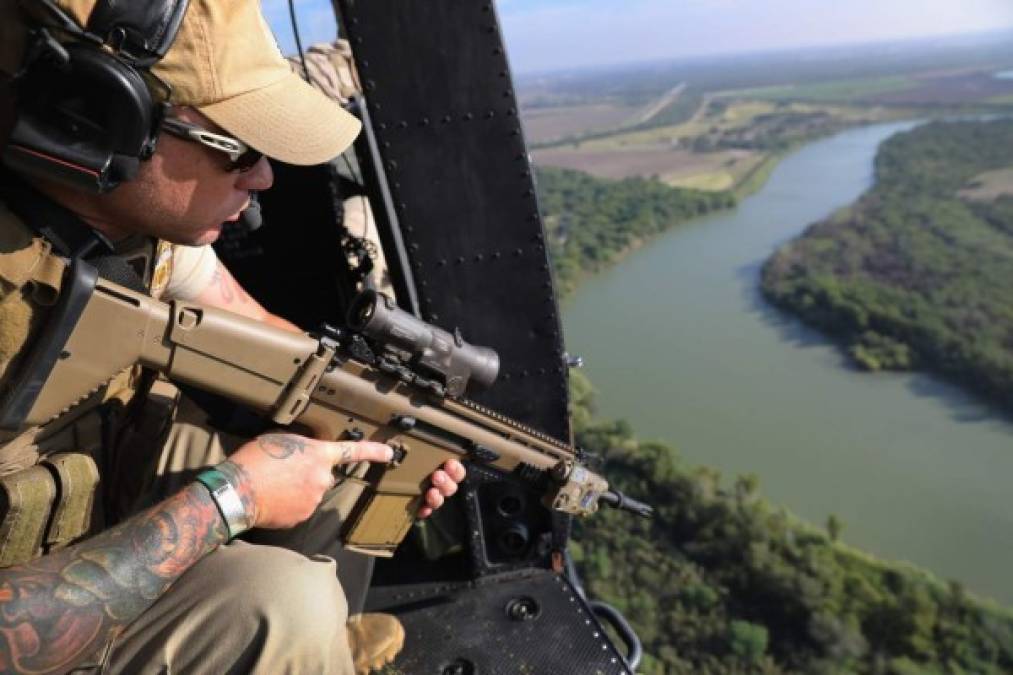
{"type": "Point", "coordinates": [272, 604]}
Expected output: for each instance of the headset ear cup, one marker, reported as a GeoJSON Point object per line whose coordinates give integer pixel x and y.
{"type": "Point", "coordinates": [93, 112]}
{"type": "Point", "coordinates": [107, 95]}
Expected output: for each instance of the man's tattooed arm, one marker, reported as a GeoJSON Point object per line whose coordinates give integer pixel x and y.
{"type": "Point", "coordinates": [281, 446]}
{"type": "Point", "coordinates": [224, 292]}
{"type": "Point", "coordinates": [63, 609]}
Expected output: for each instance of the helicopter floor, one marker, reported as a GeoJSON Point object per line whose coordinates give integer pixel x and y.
{"type": "Point", "coordinates": [531, 623]}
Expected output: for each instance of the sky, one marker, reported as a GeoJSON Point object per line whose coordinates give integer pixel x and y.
{"type": "Point", "coordinates": [546, 35]}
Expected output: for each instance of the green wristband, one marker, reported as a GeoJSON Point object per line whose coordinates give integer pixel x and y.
{"type": "Point", "coordinates": [228, 501]}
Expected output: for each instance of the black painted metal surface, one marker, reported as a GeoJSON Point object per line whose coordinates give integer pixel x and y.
{"type": "Point", "coordinates": [533, 623]}
{"type": "Point", "coordinates": [294, 264]}
{"type": "Point", "coordinates": [439, 94]}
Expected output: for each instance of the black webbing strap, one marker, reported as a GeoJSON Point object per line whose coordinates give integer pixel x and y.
{"type": "Point", "coordinates": [91, 256]}
{"type": "Point", "coordinates": [68, 234]}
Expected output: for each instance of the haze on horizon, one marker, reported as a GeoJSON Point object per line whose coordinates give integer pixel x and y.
{"type": "Point", "coordinates": [551, 35]}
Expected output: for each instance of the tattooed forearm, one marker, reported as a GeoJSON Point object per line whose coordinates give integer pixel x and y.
{"type": "Point", "coordinates": [281, 446]}
{"type": "Point", "coordinates": [62, 609]}
{"type": "Point", "coordinates": [240, 480]}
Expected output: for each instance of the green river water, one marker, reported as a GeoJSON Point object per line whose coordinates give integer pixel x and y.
{"type": "Point", "coordinates": [678, 341]}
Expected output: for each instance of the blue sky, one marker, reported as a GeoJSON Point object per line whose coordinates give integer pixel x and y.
{"type": "Point", "coordinates": [556, 34]}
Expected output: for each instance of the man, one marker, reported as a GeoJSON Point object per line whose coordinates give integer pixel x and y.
{"type": "Point", "coordinates": [161, 591]}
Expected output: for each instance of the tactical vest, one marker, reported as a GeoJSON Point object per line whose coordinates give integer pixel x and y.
{"type": "Point", "coordinates": [50, 475]}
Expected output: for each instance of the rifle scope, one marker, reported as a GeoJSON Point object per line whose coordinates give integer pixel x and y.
{"type": "Point", "coordinates": [446, 354]}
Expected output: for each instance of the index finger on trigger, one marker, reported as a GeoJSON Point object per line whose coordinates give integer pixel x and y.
{"type": "Point", "coordinates": [348, 452]}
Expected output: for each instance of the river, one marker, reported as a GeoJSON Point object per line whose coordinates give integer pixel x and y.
{"type": "Point", "coordinates": [679, 342]}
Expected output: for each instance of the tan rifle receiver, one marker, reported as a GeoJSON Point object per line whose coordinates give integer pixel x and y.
{"type": "Point", "coordinates": [332, 386]}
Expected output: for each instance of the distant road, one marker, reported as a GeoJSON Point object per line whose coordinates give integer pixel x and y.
{"type": "Point", "coordinates": [655, 108]}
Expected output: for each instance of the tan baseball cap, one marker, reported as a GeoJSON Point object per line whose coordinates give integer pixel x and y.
{"type": "Point", "coordinates": [226, 63]}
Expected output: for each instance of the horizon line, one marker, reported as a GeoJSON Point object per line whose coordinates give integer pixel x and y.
{"type": "Point", "coordinates": [637, 63]}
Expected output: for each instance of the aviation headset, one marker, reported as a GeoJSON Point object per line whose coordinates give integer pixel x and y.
{"type": "Point", "coordinates": [88, 106]}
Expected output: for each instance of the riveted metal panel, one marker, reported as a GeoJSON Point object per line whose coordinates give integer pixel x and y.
{"type": "Point", "coordinates": [441, 101]}
{"type": "Point", "coordinates": [554, 633]}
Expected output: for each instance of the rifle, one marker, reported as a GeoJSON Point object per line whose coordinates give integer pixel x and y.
{"type": "Point", "coordinates": [389, 377]}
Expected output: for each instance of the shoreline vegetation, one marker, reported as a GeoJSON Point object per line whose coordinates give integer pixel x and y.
{"type": "Point", "coordinates": [916, 274]}
{"type": "Point", "coordinates": [722, 580]}
{"type": "Point", "coordinates": [592, 223]}
{"type": "Point", "coordinates": [719, 126]}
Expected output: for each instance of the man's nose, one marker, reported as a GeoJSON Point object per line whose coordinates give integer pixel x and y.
{"type": "Point", "coordinates": [259, 177]}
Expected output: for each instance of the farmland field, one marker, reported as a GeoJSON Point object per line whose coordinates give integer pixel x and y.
{"type": "Point", "coordinates": [937, 87]}
{"type": "Point", "coordinates": [676, 167]}
{"type": "Point", "coordinates": [712, 126]}
{"type": "Point", "coordinates": [961, 88]}
{"type": "Point", "coordinates": [716, 149]}
{"type": "Point", "coordinates": [989, 186]}
{"type": "Point", "coordinates": [549, 124]}
{"type": "Point", "coordinates": [832, 91]}
{"type": "Point", "coordinates": [717, 115]}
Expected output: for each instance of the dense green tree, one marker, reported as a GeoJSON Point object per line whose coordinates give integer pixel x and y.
{"type": "Point", "coordinates": [834, 527]}
{"type": "Point", "coordinates": [722, 581]}
{"type": "Point", "coordinates": [917, 274]}
{"type": "Point", "coordinates": [591, 222]}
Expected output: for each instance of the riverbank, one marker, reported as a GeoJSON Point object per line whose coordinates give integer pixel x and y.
{"type": "Point", "coordinates": [583, 245]}
{"type": "Point", "coordinates": [721, 580]}
{"type": "Point", "coordinates": [720, 146]}
{"type": "Point", "coordinates": [915, 275]}
{"type": "Point", "coordinates": [689, 352]}
{"type": "Point", "coordinates": [568, 197]}
{"type": "Point", "coordinates": [592, 223]}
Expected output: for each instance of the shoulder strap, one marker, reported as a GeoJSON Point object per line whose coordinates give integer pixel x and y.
{"type": "Point", "coordinates": [68, 235]}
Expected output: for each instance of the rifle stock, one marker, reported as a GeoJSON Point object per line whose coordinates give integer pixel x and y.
{"type": "Point", "coordinates": [316, 383]}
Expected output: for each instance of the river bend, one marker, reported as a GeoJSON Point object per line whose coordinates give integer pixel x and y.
{"type": "Point", "coordinates": [679, 342]}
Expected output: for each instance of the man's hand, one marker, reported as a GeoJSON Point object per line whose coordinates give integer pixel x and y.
{"type": "Point", "coordinates": [287, 475]}
{"type": "Point", "coordinates": [226, 293]}
{"type": "Point", "coordinates": [283, 477]}
{"type": "Point", "coordinates": [444, 483]}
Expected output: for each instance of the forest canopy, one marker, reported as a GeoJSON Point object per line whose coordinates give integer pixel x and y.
{"type": "Point", "coordinates": [591, 222]}
{"type": "Point", "coordinates": [917, 274]}
{"type": "Point", "coordinates": [723, 581]}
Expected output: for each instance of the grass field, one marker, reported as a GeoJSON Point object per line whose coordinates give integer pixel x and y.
{"type": "Point", "coordinates": [621, 163]}
{"type": "Point", "coordinates": [943, 89]}
{"type": "Point", "coordinates": [989, 186]}
{"type": "Point", "coordinates": [834, 91]}
{"type": "Point", "coordinates": [735, 166]}
{"type": "Point", "coordinates": [717, 115]}
{"type": "Point", "coordinates": [542, 125]}
{"type": "Point", "coordinates": [961, 86]}
{"type": "Point", "coordinates": [672, 153]}
{"type": "Point", "coordinates": [731, 139]}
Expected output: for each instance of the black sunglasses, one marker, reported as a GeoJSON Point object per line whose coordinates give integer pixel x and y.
{"type": "Point", "coordinates": [241, 156]}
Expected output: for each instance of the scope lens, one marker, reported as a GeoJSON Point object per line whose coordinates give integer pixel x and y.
{"type": "Point", "coordinates": [365, 312]}
{"type": "Point", "coordinates": [362, 310]}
